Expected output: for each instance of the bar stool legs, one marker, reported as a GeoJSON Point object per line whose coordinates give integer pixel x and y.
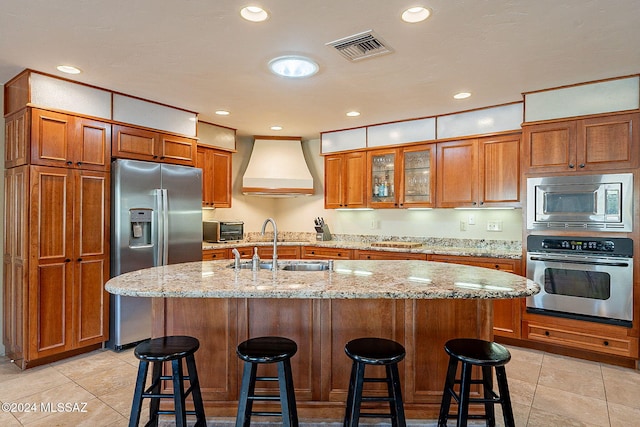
{"type": "Point", "coordinates": [487, 355]}
{"type": "Point", "coordinates": [374, 351]}
{"type": "Point", "coordinates": [261, 350]}
{"type": "Point", "coordinates": [157, 351]}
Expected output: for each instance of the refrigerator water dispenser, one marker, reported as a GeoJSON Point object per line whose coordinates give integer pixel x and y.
{"type": "Point", "coordinates": [140, 230]}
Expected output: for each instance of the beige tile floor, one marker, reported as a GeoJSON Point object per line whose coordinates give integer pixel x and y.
{"type": "Point", "coordinates": [547, 391]}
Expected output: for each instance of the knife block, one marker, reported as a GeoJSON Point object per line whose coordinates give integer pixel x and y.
{"type": "Point", "coordinates": [323, 234]}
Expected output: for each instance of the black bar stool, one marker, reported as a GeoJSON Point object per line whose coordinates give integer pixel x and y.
{"type": "Point", "coordinates": [475, 352]}
{"type": "Point", "coordinates": [157, 351]}
{"type": "Point", "coordinates": [374, 351]}
{"type": "Point", "coordinates": [260, 350]}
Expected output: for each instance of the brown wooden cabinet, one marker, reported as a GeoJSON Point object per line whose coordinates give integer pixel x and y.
{"type": "Point", "coordinates": [401, 177]}
{"type": "Point", "coordinates": [215, 254]}
{"type": "Point", "coordinates": [68, 141]}
{"type": "Point", "coordinates": [479, 172]}
{"type": "Point", "coordinates": [216, 176]}
{"type": "Point", "coordinates": [319, 252]}
{"type": "Point", "coordinates": [345, 180]}
{"type": "Point", "coordinates": [583, 145]}
{"type": "Point", "coordinates": [507, 312]}
{"type": "Point", "coordinates": [61, 304]}
{"type": "Point", "coordinates": [143, 144]}
{"type": "Point", "coordinates": [16, 138]}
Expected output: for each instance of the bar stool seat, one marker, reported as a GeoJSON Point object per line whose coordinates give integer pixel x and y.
{"type": "Point", "coordinates": [157, 351]}
{"type": "Point", "coordinates": [487, 355]}
{"type": "Point", "coordinates": [262, 350]}
{"type": "Point", "coordinates": [374, 351]}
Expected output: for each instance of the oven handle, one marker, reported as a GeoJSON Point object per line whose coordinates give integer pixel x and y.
{"type": "Point", "coordinates": [573, 261]}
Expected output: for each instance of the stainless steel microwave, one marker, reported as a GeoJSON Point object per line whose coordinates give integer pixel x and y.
{"type": "Point", "coordinates": [592, 202]}
{"type": "Point", "coordinates": [222, 231]}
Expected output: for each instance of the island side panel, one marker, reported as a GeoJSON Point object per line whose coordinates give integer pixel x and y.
{"type": "Point", "coordinates": [348, 319]}
{"type": "Point", "coordinates": [296, 319]}
{"type": "Point", "coordinates": [321, 328]}
{"type": "Point", "coordinates": [214, 323]}
{"type": "Point", "coordinates": [434, 322]}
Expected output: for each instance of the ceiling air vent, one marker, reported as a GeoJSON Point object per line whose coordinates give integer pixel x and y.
{"type": "Point", "coordinates": [361, 46]}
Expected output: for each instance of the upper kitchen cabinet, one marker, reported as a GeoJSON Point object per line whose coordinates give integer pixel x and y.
{"type": "Point", "coordinates": [590, 144]}
{"type": "Point", "coordinates": [143, 144]}
{"type": "Point", "coordinates": [401, 178]}
{"type": "Point", "coordinates": [345, 180]}
{"type": "Point", "coordinates": [216, 176]}
{"type": "Point", "coordinates": [479, 172]}
{"type": "Point", "coordinates": [69, 141]}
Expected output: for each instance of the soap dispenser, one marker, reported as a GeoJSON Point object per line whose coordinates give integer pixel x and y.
{"type": "Point", "coordinates": [255, 260]}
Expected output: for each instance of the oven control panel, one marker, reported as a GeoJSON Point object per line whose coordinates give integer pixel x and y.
{"type": "Point", "coordinates": [593, 245]}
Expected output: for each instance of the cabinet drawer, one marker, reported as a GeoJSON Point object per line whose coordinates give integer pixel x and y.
{"type": "Point", "coordinates": [621, 346]}
{"type": "Point", "coordinates": [215, 254]}
{"type": "Point", "coordinates": [326, 253]}
{"type": "Point", "coordinates": [284, 252]}
{"type": "Point", "coordinates": [388, 255]}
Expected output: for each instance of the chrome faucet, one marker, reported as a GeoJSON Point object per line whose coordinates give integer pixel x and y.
{"type": "Point", "coordinates": [236, 258]}
{"type": "Point", "coordinates": [275, 240]}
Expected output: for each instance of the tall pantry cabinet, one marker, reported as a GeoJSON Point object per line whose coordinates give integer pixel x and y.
{"type": "Point", "coordinates": [56, 248]}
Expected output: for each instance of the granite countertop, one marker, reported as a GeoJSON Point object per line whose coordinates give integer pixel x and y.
{"type": "Point", "coordinates": [453, 247]}
{"type": "Point", "coordinates": [348, 280]}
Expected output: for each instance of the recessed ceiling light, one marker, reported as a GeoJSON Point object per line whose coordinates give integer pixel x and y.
{"type": "Point", "coordinates": [415, 14]}
{"type": "Point", "coordinates": [293, 66]}
{"type": "Point", "coordinates": [462, 95]}
{"type": "Point", "coordinates": [222, 113]}
{"type": "Point", "coordinates": [254, 13]}
{"type": "Point", "coordinates": [69, 69]}
{"type": "Point", "coordinates": [276, 127]}
{"type": "Point", "coordinates": [353, 113]}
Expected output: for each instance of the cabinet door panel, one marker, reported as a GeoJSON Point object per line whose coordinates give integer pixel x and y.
{"type": "Point", "coordinates": [333, 182]}
{"type": "Point", "coordinates": [609, 141]}
{"type": "Point", "coordinates": [93, 144]}
{"type": "Point", "coordinates": [177, 150]}
{"type": "Point", "coordinates": [50, 138]}
{"type": "Point", "coordinates": [457, 173]}
{"type": "Point", "coordinates": [16, 139]}
{"type": "Point", "coordinates": [355, 180]}
{"type": "Point", "coordinates": [499, 170]}
{"type": "Point", "coordinates": [90, 302]}
{"type": "Point", "coordinates": [134, 143]}
{"type": "Point", "coordinates": [49, 301]}
{"type": "Point", "coordinates": [221, 179]}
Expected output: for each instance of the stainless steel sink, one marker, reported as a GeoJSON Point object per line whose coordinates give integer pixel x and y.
{"type": "Point", "coordinates": [304, 265]}
{"type": "Point", "coordinates": [289, 265]}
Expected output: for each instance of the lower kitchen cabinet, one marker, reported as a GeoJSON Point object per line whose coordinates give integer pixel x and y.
{"type": "Point", "coordinates": [215, 254]}
{"type": "Point", "coordinates": [61, 304]}
{"type": "Point", "coordinates": [506, 313]}
{"type": "Point", "coordinates": [580, 335]}
{"type": "Point", "coordinates": [319, 252]}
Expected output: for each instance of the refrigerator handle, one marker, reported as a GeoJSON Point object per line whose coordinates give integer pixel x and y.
{"type": "Point", "coordinates": [160, 228]}
{"type": "Point", "coordinates": [165, 227]}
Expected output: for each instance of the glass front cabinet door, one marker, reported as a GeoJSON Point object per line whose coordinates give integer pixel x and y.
{"type": "Point", "coordinates": [418, 177]}
{"type": "Point", "coordinates": [402, 177]}
{"type": "Point", "coordinates": [383, 178]}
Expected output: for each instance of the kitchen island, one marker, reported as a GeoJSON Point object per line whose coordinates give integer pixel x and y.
{"type": "Point", "coordinates": [417, 303]}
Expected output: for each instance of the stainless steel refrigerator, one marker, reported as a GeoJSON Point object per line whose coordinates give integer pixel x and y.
{"type": "Point", "coordinates": [156, 219]}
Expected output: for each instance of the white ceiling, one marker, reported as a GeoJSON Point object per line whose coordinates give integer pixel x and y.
{"type": "Point", "coordinates": [201, 56]}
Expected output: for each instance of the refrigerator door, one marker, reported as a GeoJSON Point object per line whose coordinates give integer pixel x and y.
{"type": "Point", "coordinates": [183, 189]}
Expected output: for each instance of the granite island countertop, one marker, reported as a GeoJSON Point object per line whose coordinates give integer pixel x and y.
{"type": "Point", "coordinates": [348, 280]}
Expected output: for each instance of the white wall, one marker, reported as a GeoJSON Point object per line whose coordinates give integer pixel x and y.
{"type": "Point", "coordinates": [296, 214]}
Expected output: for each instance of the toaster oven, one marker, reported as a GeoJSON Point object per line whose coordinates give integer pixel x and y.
{"type": "Point", "coordinates": [222, 231]}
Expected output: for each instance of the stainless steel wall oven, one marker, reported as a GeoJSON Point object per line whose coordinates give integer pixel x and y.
{"type": "Point", "coordinates": [587, 278]}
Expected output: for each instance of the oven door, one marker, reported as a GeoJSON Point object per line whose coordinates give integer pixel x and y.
{"type": "Point", "coordinates": [581, 286]}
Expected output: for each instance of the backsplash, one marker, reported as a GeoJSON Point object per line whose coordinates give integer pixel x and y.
{"type": "Point", "coordinates": [292, 236]}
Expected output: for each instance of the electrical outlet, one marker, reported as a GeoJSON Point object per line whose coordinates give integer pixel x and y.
{"type": "Point", "coordinates": [472, 220]}
{"type": "Point", "coordinates": [374, 224]}
{"type": "Point", "coordinates": [495, 225]}
{"type": "Point", "coordinates": [463, 226]}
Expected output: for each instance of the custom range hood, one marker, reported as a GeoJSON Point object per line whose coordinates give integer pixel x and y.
{"type": "Point", "coordinates": [277, 168]}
